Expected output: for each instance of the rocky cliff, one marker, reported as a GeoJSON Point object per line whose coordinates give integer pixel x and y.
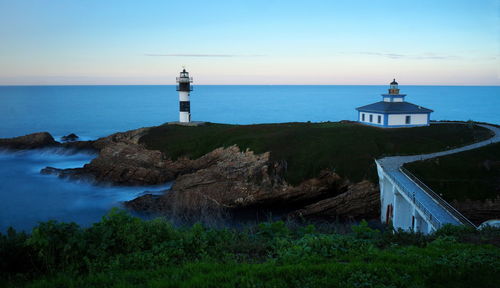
{"type": "Point", "coordinates": [230, 180]}
{"type": "Point", "coordinates": [31, 141]}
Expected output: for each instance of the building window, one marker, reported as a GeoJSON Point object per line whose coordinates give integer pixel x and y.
{"type": "Point", "coordinates": [371, 118]}
{"type": "Point", "coordinates": [363, 117]}
{"type": "Point", "coordinates": [408, 120]}
{"type": "Point", "coordinates": [379, 119]}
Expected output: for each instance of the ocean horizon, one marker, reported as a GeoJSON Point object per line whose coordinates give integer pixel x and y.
{"type": "Point", "coordinates": [98, 110]}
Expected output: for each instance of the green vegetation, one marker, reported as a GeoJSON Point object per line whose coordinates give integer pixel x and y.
{"type": "Point", "coordinates": [473, 174]}
{"type": "Point", "coordinates": [123, 251]}
{"type": "Point", "coordinates": [347, 148]}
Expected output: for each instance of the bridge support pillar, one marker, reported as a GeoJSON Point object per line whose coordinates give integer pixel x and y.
{"type": "Point", "coordinates": [403, 211]}
{"type": "Point", "coordinates": [386, 200]}
{"type": "Point", "coordinates": [419, 224]}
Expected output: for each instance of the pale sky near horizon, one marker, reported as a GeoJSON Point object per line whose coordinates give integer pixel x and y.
{"type": "Point", "coordinates": [446, 42]}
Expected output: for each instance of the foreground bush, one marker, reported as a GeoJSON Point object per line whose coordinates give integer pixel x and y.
{"type": "Point", "coordinates": [123, 251]}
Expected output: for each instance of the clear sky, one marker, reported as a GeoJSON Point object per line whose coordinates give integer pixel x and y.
{"type": "Point", "coordinates": [445, 42]}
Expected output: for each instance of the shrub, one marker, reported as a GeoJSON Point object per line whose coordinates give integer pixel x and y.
{"type": "Point", "coordinates": [124, 251]}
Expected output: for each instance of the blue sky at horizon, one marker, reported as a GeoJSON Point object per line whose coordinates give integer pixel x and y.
{"type": "Point", "coordinates": [250, 42]}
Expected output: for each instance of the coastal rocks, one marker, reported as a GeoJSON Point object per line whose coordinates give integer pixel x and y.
{"type": "Point", "coordinates": [70, 138]}
{"type": "Point", "coordinates": [31, 141]}
{"type": "Point", "coordinates": [226, 180]}
{"type": "Point", "coordinates": [121, 160]}
{"type": "Point", "coordinates": [71, 173]}
{"type": "Point", "coordinates": [128, 137]}
{"type": "Point", "coordinates": [229, 180]}
{"type": "Point", "coordinates": [223, 178]}
{"type": "Point", "coordinates": [44, 140]}
{"type": "Point", "coordinates": [360, 201]}
{"type": "Point", "coordinates": [127, 164]}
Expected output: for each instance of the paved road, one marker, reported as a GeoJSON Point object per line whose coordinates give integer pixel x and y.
{"type": "Point", "coordinates": [393, 164]}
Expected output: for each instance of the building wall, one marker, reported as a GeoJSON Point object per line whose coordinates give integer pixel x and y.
{"type": "Point", "coordinates": [375, 118]}
{"type": "Point", "coordinates": [400, 119]}
{"type": "Point", "coordinates": [393, 99]}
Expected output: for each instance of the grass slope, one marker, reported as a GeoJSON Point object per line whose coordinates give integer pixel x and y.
{"type": "Point", "coordinates": [123, 251]}
{"type": "Point", "coordinates": [347, 148]}
{"type": "Point", "coordinates": [473, 174]}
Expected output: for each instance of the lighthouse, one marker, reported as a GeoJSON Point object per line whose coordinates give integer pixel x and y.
{"type": "Point", "coordinates": [184, 88]}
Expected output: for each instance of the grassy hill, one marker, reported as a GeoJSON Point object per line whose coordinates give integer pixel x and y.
{"type": "Point", "coordinates": [473, 174]}
{"type": "Point", "coordinates": [347, 148]}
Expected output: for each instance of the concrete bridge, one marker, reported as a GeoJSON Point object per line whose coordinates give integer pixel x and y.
{"type": "Point", "coordinates": [408, 202]}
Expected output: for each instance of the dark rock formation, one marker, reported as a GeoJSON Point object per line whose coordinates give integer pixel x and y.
{"type": "Point", "coordinates": [31, 141]}
{"type": "Point", "coordinates": [122, 161]}
{"type": "Point", "coordinates": [43, 140]}
{"type": "Point", "coordinates": [128, 137]}
{"type": "Point", "coordinates": [80, 146]}
{"type": "Point", "coordinates": [128, 164]}
{"type": "Point", "coordinates": [70, 138]}
{"type": "Point", "coordinates": [227, 179]}
{"type": "Point", "coordinates": [360, 201]}
{"type": "Point", "coordinates": [72, 173]}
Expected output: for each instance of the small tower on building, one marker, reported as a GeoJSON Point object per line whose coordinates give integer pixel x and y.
{"type": "Point", "coordinates": [393, 111]}
{"type": "Point", "coordinates": [393, 88]}
{"type": "Point", "coordinates": [184, 88]}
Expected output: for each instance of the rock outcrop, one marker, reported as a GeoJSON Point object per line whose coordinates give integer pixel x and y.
{"type": "Point", "coordinates": [229, 180]}
{"type": "Point", "coordinates": [31, 141]}
{"type": "Point", "coordinates": [127, 164]}
{"type": "Point", "coordinates": [361, 201]}
{"type": "Point", "coordinates": [43, 140]}
{"type": "Point", "coordinates": [70, 138]}
{"type": "Point", "coordinates": [123, 161]}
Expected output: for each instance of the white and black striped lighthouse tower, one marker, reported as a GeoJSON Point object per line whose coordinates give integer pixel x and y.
{"type": "Point", "coordinates": [184, 87]}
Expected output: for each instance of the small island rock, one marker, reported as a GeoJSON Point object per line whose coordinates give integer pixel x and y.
{"type": "Point", "coordinates": [70, 138]}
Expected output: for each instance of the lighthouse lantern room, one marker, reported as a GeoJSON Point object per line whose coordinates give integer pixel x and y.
{"type": "Point", "coordinates": [184, 88]}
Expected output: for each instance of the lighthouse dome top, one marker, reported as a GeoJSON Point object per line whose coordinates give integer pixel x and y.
{"type": "Point", "coordinates": [184, 77]}
{"type": "Point", "coordinates": [184, 73]}
{"type": "Point", "coordinates": [394, 82]}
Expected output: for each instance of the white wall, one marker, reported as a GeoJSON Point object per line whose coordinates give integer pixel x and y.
{"type": "Point", "coordinates": [367, 118]}
{"type": "Point", "coordinates": [403, 212]}
{"type": "Point", "coordinates": [393, 99]}
{"type": "Point", "coordinates": [184, 117]}
{"type": "Point", "coordinates": [183, 96]}
{"type": "Point", "coordinates": [400, 119]}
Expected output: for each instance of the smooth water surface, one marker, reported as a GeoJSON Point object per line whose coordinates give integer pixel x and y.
{"type": "Point", "coordinates": [95, 111]}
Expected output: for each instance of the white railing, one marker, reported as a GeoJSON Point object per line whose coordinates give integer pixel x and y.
{"type": "Point", "coordinates": [433, 220]}
{"type": "Point", "coordinates": [443, 203]}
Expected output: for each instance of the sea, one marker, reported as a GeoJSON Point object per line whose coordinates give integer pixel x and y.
{"type": "Point", "coordinates": [28, 197]}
